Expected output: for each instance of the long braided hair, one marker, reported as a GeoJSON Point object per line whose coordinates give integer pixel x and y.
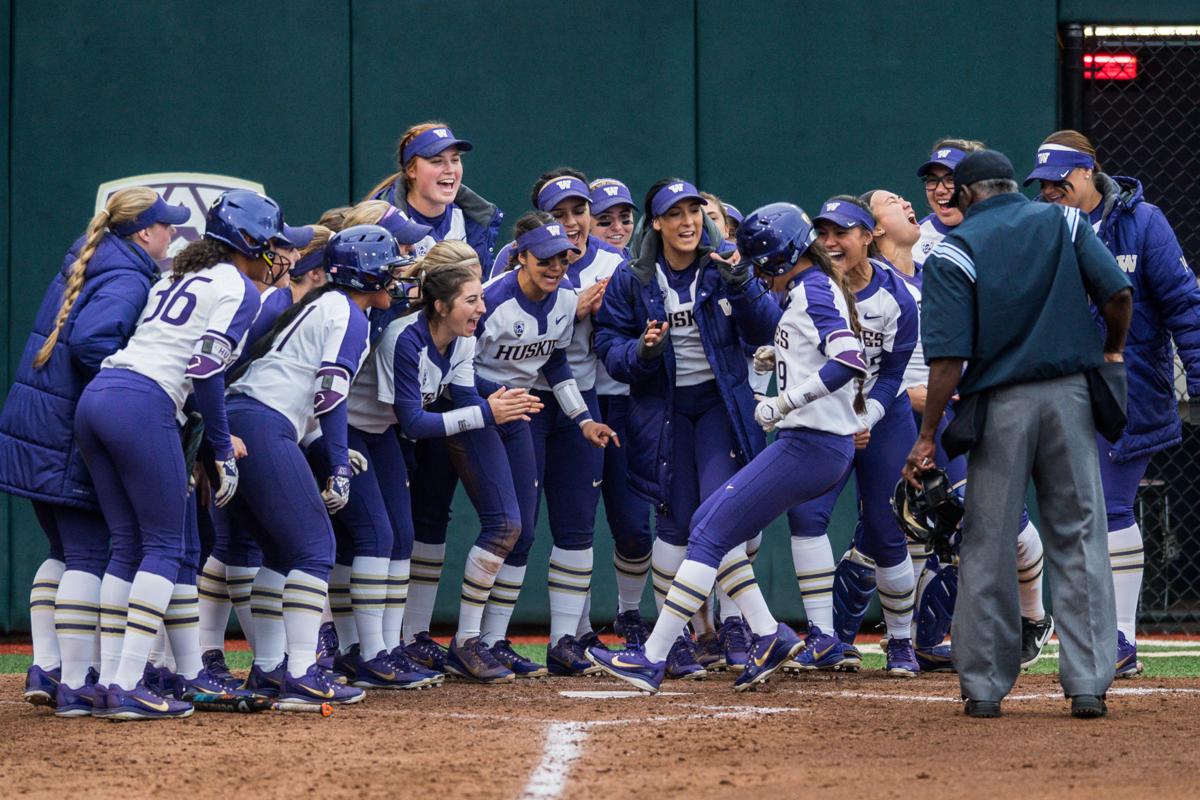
{"type": "Point", "coordinates": [123, 206]}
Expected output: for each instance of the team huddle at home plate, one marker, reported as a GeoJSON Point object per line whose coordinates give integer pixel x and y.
{"type": "Point", "coordinates": [277, 422]}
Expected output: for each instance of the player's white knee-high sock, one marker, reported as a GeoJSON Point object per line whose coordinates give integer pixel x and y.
{"type": "Point", "coordinates": [368, 595]}
{"type": "Point", "coordinates": [215, 604]}
{"type": "Point", "coordinates": [397, 601]}
{"type": "Point", "coordinates": [501, 603]}
{"type": "Point", "coordinates": [568, 581]}
{"type": "Point", "coordinates": [114, 594]}
{"type": "Point", "coordinates": [41, 613]}
{"type": "Point", "coordinates": [897, 592]}
{"type": "Point", "coordinates": [665, 561]}
{"type": "Point", "coordinates": [266, 607]}
{"type": "Point", "coordinates": [631, 581]}
{"type": "Point", "coordinates": [149, 596]}
{"type": "Point", "coordinates": [342, 608]}
{"type": "Point", "coordinates": [303, 602]}
{"type": "Point", "coordinates": [182, 623]}
{"type": "Point", "coordinates": [77, 622]}
{"type": "Point", "coordinates": [479, 576]}
{"type": "Point", "coordinates": [240, 581]}
{"type": "Point", "coordinates": [735, 575]}
{"type": "Point", "coordinates": [812, 558]}
{"type": "Point", "coordinates": [426, 571]}
{"type": "Point", "coordinates": [1128, 558]}
{"type": "Point", "coordinates": [1029, 572]}
{"type": "Point", "coordinates": [692, 583]}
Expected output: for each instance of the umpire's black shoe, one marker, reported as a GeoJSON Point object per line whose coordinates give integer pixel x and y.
{"type": "Point", "coordinates": [1088, 706]}
{"type": "Point", "coordinates": [982, 709]}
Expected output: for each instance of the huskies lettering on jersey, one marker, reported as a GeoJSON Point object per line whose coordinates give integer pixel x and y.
{"type": "Point", "coordinates": [682, 319]}
{"type": "Point", "coordinates": [520, 352]}
{"type": "Point", "coordinates": [1128, 263]}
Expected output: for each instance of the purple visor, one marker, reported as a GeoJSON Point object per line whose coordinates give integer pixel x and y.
{"type": "Point", "coordinates": [674, 193]}
{"type": "Point", "coordinates": [1055, 162]}
{"type": "Point", "coordinates": [546, 241]}
{"type": "Point", "coordinates": [402, 228]}
{"type": "Point", "coordinates": [609, 192]}
{"type": "Point", "coordinates": [733, 213]}
{"type": "Point", "coordinates": [314, 260]}
{"type": "Point", "coordinates": [431, 142]}
{"type": "Point", "coordinates": [555, 190]}
{"type": "Point", "coordinates": [845, 214]}
{"type": "Point", "coordinates": [947, 157]}
{"type": "Point", "coordinates": [298, 237]}
{"type": "Point", "coordinates": [159, 211]}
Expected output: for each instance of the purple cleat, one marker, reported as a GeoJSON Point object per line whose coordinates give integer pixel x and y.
{"type": "Point", "coordinates": [261, 682]}
{"type": "Point", "coordinates": [631, 666]}
{"type": "Point", "coordinates": [567, 658]}
{"type": "Point", "coordinates": [427, 653]}
{"type": "Point", "coordinates": [630, 626]}
{"type": "Point", "coordinates": [901, 659]}
{"type": "Point", "coordinates": [139, 703]}
{"type": "Point", "coordinates": [214, 664]}
{"type": "Point", "coordinates": [474, 661]}
{"type": "Point", "coordinates": [41, 686]}
{"type": "Point", "coordinates": [767, 654]}
{"type": "Point", "coordinates": [315, 687]}
{"type": "Point", "coordinates": [1128, 665]}
{"type": "Point", "coordinates": [681, 661]}
{"type": "Point", "coordinates": [78, 702]}
{"type": "Point", "coordinates": [734, 636]}
{"type": "Point", "coordinates": [521, 666]}
{"type": "Point", "coordinates": [382, 672]}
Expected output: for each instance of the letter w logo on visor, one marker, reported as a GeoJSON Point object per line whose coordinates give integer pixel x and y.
{"type": "Point", "coordinates": [1043, 158]}
{"type": "Point", "coordinates": [611, 191]}
{"type": "Point", "coordinates": [554, 230]}
{"type": "Point", "coordinates": [441, 133]}
{"type": "Point", "coordinates": [943, 153]}
{"type": "Point", "coordinates": [676, 187]}
{"type": "Point", "coordinates": [564, 185]}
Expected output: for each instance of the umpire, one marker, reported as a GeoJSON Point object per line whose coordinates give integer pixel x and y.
{"type": "Point", "coordinates": [1007, 293]}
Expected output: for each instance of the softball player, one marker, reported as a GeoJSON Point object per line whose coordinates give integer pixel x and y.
{"type": "Point", "coordinates": [88, 312]}
{"type": "Point", "coordinates": [228, 572]}
{"type": "Point", "coordinates": [818, 366]}
{"type": "Point", "coordinates": [887, 316]}
{"type": "Point", "coordinates": [318, 344]}
{"type": "Point", "coordinates": [672, 326]}
{"type": "Point", "coordinates": [429, 189]}
{"type": "Point", "coordinates": [527, 332]}
{"type": "Point", "coordinates": [423, 384]}
{"type": "Point", "coordinates": [612, 213]}
{"type": "Point", "coordinates": [192, 325]}
{"type": "Point", "coordinates": [1165, 310]}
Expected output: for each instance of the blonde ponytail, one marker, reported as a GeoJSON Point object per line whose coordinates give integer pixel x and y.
{"type": "Point", "coordinates": [123, 206]}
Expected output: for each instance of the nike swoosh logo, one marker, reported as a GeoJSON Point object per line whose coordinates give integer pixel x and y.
{"type": "Point", "coordinates": [560, 319]}
{"type": "Point", "coordinates": [758, 662]}
{"type": "Point", "coordinates": [597, 483]}
{"type": "Point", "coordinates": [616, 662]}
{"type": "Point", "coordinates": [163, 706]}
{"type": "Point", "coordinates": [872, 316]}
{"type": "Point", "coordinates": [821, 654]}
{"type": "Point", "coordinates": [327, 694]}
{"type": "Point", "coordinates": [386, 676]}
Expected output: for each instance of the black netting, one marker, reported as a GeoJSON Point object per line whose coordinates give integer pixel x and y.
{"type": "Point", "coordinates": [1149, 128]}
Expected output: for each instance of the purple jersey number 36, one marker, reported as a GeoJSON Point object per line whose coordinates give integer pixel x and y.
{"type": "Point", "coordinates": [175, 302]}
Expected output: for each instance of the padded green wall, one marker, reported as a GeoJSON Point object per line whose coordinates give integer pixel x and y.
{"type": "Point", "coordinates": [760, 102]}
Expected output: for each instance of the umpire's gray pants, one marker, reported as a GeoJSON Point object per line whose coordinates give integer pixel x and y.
{"type": "Point", "coordinates": [1043, 429]}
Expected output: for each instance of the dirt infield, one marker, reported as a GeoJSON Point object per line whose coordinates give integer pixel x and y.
{"type": "Point", "coordinates": [819, 735]}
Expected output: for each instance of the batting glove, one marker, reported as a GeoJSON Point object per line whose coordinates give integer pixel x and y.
{"type": "Point", "coordinates": [337, 489]}
{"type": "Point", "coordinates": [764, 360]}
{"type": "Point", "coordinates": [227, 471]}
{"type": "Point", "coordinates": [768, 413]}
{"type": "Point", "coordinates": [358, 462]}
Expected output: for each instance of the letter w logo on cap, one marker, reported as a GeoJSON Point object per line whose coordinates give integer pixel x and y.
{"type": "Point", "coordinates": [564, 184]}
{"type": "Point", "coordinates": [554, 230]}
{"type": "Point", "coordinates": [676, 187]}
{"type": "Point", "coordinates": [611, 191]}
{"type": "Point", "coordinates": [943, 153]}
{"type": "Point", "coordinates": [1043, 158]}
{"type": "Point", "coordinates": [832, 206]}
{"type": "Point", "coordinates": [441, 133]}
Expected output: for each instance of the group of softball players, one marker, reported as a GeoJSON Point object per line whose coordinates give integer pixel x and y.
{"type": "Point", "coordinates": [277, 425]}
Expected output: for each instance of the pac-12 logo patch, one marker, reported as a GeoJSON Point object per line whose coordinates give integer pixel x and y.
{"type": "Point", "coordinates": [518, 328]}
{"type": "Point", "coordinates": [194, 190]}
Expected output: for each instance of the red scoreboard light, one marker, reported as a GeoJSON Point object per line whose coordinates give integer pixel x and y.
{"type": "Point", "coordinates": [1110, 67]}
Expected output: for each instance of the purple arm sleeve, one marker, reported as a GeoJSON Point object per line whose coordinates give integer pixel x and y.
{"type": "Point", "coordinates": [210, 401]}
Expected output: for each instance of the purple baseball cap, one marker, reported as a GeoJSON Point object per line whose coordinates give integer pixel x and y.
{"type": "Point", "coordinates": [158, 211]}
{"type": "Point", "coordinates": [405, 230]}
{"type": "Point", "coordinates": [545, 241]}
{"type": "Point", "coordinates": [609, 192]}
{"type": "Point", "coordinates": [845, 214]}
{"type": "Point", "coordinates": [298, 237]}
{"type": "Point", "coordinates": [314, 260]}
{"type": "Point", "coordinates": [732, 211]}
{"type": "Point", "coordinates": [947, 157]}
{"type": "Point", "coordinates": [674, 193]}
{"type": "Point", "coordinates": [431, 142]}
{"type": "Point", "coordinates": [1055, 162]}
{"type": "Point", "coordinates": [555, 190]}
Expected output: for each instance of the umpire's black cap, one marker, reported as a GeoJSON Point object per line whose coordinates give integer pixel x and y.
{"type": "Point", "coordinates": [981, 165]}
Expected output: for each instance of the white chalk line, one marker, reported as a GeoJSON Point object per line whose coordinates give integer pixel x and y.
{"type": "Point", "coordinates": [931, 698]}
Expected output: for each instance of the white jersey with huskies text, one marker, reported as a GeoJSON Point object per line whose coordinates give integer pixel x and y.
{"type": "Point", "coordinates": [600, 263]}
{"type": "Point", "coordinates": [517, 336]}
{"type": "Point", "coordinates": [330, 331]}
{"type": "Point", "coordinates": [456, 232]}
{"type": "Point", "coordinates": [216, 304]}
{"type": "Point", "coordinates": [691, 363]}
